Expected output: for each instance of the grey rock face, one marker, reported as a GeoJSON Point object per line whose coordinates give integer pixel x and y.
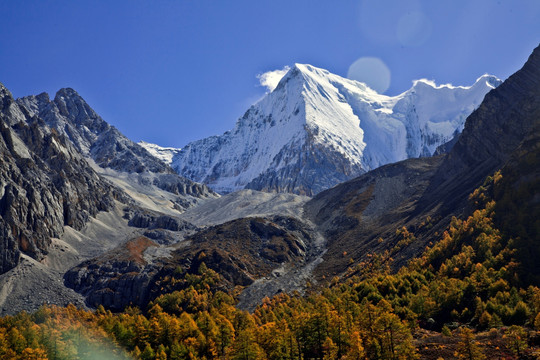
{"type": "Point", "coordinates": [44, 185]}
{"type": "Point", "coordinates": [179, 185]}
{"type": "Point", "coordinates": [72, 117]}
{"type": "Point", "coordinates": [150, 220]}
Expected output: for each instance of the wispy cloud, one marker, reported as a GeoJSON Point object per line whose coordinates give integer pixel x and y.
{"type": "Point", "coordinates": [271, 79]}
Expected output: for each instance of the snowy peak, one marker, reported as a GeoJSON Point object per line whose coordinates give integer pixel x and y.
{"type": "Point", "coordinates": [316, 129]}
{"type": "Point", "coordinates": [311, 76]}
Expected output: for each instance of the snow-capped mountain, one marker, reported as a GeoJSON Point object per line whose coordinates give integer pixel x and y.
{"type": "Point", "coordinates": [317, 129]}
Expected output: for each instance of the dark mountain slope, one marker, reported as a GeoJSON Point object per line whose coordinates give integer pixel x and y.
{"type": "Point", "coordinates": [517, 208]}
{"type": "Point", "coordinates": [360, 217]}
{"type": "Point", "coordinates": [240, 251]}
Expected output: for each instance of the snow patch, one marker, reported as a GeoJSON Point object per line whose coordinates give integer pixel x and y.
{"type": "Point", "coordinates": [164, 154]}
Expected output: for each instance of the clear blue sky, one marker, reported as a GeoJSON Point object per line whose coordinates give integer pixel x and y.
{"type": "Point", "coordinates": [171, 72]}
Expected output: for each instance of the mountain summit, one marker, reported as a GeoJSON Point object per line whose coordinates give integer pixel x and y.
{"type": "Point", "coordinates": [316, 129]}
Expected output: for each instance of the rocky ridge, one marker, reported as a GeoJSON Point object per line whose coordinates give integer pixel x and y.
{"type": "Point", "coordinates": [64, 177]}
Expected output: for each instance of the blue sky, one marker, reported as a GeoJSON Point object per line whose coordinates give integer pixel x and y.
{"type": "Point", "coordinates": [173, 71]}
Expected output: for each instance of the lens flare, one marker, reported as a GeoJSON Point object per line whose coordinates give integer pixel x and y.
{"type": "Point", "coordinates": [372, 71]}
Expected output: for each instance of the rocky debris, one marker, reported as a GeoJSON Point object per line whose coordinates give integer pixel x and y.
{"type": "Point", "coordinates": [30, 285]}
{"type": "Point", "coordinates": [356, 215]}
{"type": "Point", "coordinates": [244, 203]}
{"type": "Point", "coordinates": [246, 249]}
{"type": "Point", "coordinates": [289, 277]}
{"type": "Point", "coordinates": [240, 251]}
{"type": "Point", "coordinates": [161, 236]}
{"type": "Point", "coordinates": [33, 283]}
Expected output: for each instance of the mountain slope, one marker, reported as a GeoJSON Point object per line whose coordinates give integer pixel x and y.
{"type": "Point", "coordinates": [492, 133]}
{"type": "Point", "coordinates": [317, 129]}
{"type": "Point", "coordinates": [57, 205]}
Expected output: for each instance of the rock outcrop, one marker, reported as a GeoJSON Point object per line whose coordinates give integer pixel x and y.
{"type": "Point", "coordinates": [119, 278]}
{"type": "Point", "coordinates": [143, 218]}
{"type": "Point", "coordinates": [241, 251]}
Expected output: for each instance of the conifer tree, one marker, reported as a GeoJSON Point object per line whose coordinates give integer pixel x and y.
{"type": "Point", "coordinates": [467, 347]}
{"type": "Point", "coordinates": [516, 338]}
